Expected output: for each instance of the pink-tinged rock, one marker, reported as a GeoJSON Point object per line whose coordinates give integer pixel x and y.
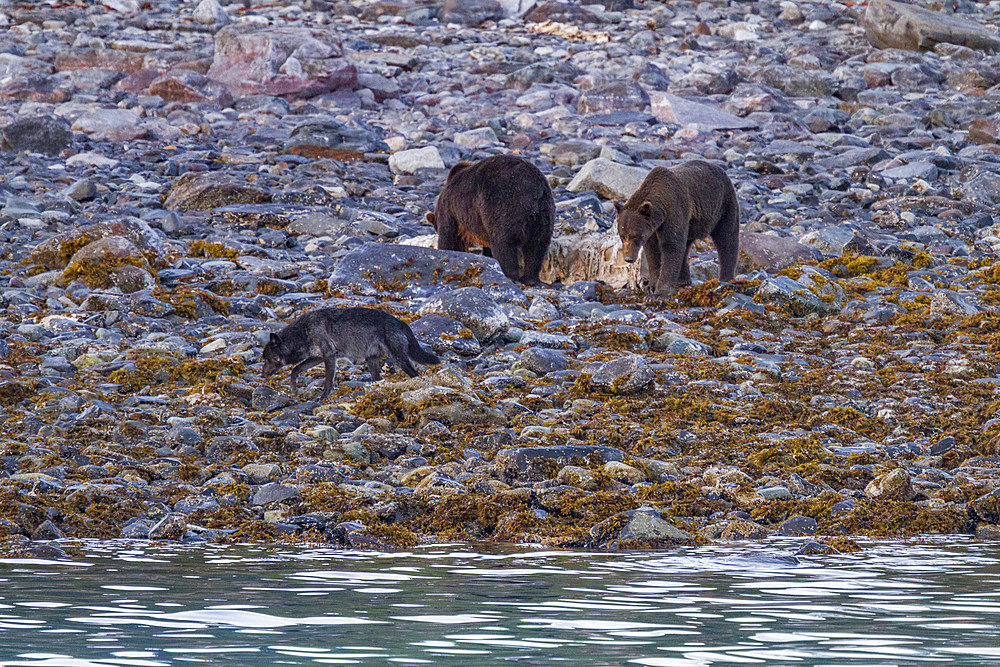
{"type": "Point", "coordinates": [120, 61]}
{"type": "Point", "coordinates": [672, 109]}
{"type": "Point", "coordinates": [286, 62]}
{"type": "Point", "coordinates": [898, 25]}
{"type": "Point", "coordinates": [184, 85]}
{"type": "Point", "coordinates": [985, 130]}
{"type": "Point", "coordinates": [138, 82]}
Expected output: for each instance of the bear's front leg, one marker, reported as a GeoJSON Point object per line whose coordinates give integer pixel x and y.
{"type": "Point", "coordinates": [651, 257]}
{"type": "Point", "coordinates": [673, 261]}
{"type": "Point", "coordinates": [448, 236]}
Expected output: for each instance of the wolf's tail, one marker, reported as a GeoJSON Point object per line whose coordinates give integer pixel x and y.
{"type": "Point", "coordinates": [415, 351]}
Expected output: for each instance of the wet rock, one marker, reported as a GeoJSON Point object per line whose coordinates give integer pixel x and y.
{"type": "Point", "coordinates": [473, 308]}
{"type": "Point", "coordinates": [986, 508]}
{"type": "Point", "coordinates": [897, 25]}
{"type": "Point", "coordinates": [47, 531]}
{"type": "Point", "coordinates": [445, 333]}
{"type": "Point", "coordinates": [743, 530]}
{"type": "Point", "coordinates": [985, 531]}
{"type": "Point", "coordinates": [816, 549]}
{"type": "Point", "coordinates": [608, 179]}
{"type": "Point", "coordinates": [286, 62]}
{"type": "Point", "coordinates": [113, 261]}
{"type": "Point", "coordinates": [578, 477]}
{"type": "Point", "coordinates": [639, 527]}
{"type": "Point", "coordinates": [798, 525]}
{"type": "Point", "coordinates": [537, 463]}
{"type": "Point", "coordinates": [542, 360]}
{"type": "Point", "coordinates": [170, 527]}
{"type": "Point", "coordinates": [273, 493]}
{"type": "Point", "coordinates": [267, 399]}
{"type": "Point", "coordinates": [894, 485]}
{"type": "Point", "coordinates": [796, 296]}
{"type": "Point", "coordinates": [189, 86]}
{"type": "Point", "coordinates": [204, 192]}
{"type": "Point", "coordinates": [41, 134]}
{"type": "Point", "coordinates": [627, 375]}
{"type": "Point", "coordinates": [589, 256]}
{"type": "Point", "coordinates": [136, 530]}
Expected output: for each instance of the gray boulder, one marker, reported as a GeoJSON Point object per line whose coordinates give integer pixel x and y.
{"type": "Point", "coordinates": [897, 25]}
{"type": "Point", "coordinates": [472, 307]}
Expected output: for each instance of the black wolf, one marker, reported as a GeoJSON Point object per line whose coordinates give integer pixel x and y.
{"type": "Point", "coordinates": [325, 334]}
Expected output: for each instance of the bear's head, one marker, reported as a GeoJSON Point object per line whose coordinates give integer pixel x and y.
{"type": "Point", "coordinates": [635, 225]}
{"type": "Point", "coordinates": [431, 219]}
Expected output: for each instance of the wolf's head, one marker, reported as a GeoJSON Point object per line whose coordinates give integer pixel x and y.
{"type": "Point", "coordinates": [272, 356]}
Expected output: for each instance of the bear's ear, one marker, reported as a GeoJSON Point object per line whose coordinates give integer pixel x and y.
{"type": "Point", "coordinates": [273, 339]}
{"type": "Point", "coordinates": [618, 206]}
{"type": "Point", "coordinates": [646, 209]}
{"type": "Point", "coordinates": [430, 218]}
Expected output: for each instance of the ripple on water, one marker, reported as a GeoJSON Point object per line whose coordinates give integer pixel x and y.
{"type": "Point", "coordinates": [890, 604]}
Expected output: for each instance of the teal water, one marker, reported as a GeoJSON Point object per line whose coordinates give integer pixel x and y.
{"type": "Point", "coordinates": [121, 604]}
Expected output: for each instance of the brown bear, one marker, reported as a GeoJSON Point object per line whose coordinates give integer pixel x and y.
{"type": "Point", "coordinates": [673, 207]}
{"type": "Point", "coordinates": [503, 203]}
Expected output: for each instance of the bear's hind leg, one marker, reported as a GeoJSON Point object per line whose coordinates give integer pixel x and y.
{"type": "Point", "coordinates": [726, 237]}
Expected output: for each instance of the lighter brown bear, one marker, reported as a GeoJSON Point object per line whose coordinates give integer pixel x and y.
{"type": "Point", "coordinates": [674, 207]}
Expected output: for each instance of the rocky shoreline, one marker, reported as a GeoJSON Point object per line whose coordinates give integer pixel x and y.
{"type": "Point", "coordinates": [179, 179]}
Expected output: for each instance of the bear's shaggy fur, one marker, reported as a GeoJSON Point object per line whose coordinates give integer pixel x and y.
{"type": "Point", "coordinates": [503, 203]}
{"type": "Point", "coordinates": [673, 208]}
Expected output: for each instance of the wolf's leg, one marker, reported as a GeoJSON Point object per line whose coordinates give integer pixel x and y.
{"type": "Point", "coordinates": [303, 366]}
{"type": "Point", "coordinates": [374, 364]}
{"type": "Point", "coordinates": [330, 365]}
{"type": "Point", "coordinates": [397, 349]}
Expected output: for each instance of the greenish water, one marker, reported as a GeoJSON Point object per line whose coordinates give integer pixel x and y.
{"type": "Point", "coordinates": [122, 604]}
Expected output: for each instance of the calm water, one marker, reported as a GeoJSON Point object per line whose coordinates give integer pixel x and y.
{"type": "Point", "coordinates": [118, 604]}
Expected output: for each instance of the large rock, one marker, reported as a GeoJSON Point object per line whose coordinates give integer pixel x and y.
{"type": "Point", "coordinates": [445, 333]}
{"type": "Point", "coordinates": [38, 134]}
{"type": "Point", "coordinates": [766, 251]}
{"type": "Point", "coordinates": [627, 375]}
{"type": "Point", "coordinates": [607, 178]}
{"type": "Point", "coordinates": [793, 81]}
{"type": "Point", "coordinates": [894, 485]}
{"type": "Point", "coordinates": [329, 138]}
{"type": "Point", "coordinates": [589, 256]}
{"type": "Point", "coordinates": [286, 62]}
{"type": "Point", "coordinates": [170, 527]}
{"type": "Point", "coordinates": [472, 307]}
{"type": "Point", "coordinates": [211, 13]}
{"type": "Point", "coordinates": [532, 464]}
{"type": "Point", "coordinates": [672, 109]}
{"type": "Point", "coordinates": [641, 527]}
{"type": "Point", "coordinates": [796, 296]}
{"type": "Point", "coordinates": [470, 12]}
{"type": "Point", "coordinates": [413, 271]}
{"type": "Point", "coordinates": [117, 125]}
{"type": "Point", "coordinates": [409, 161]}
{"type": "Point", "coordinates": [987, 508]}
{"type": "Point", "coordinates": [206, 191]}
{"type": "Point", "coordinates": [617, 96]}
{"type": "Point", "coordinates": [897, 25]}
{"type": "Point", "coordinates": [184, 85]}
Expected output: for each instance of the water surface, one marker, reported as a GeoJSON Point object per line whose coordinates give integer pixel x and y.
{"type": "Point", "coordinates": [159, 605]}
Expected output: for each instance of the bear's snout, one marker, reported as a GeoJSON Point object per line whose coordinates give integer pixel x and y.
{"type": "Point", "coordinates": [630, 259]}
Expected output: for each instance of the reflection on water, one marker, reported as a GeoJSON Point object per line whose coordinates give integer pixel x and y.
{"type": "Point", "coordinates": [119, 604]}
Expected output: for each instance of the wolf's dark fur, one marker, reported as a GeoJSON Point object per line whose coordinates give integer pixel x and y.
{"type": "Point", "coordinates": [673, 208]}
{"type": "Point", "coordinates": [503, 203]}
{"type": "Point", "coordinates": [325, 334]}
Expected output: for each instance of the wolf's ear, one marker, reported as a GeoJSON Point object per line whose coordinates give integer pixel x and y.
{"type": "Point", "coordinates": [430, 219]}
{"type": "Point", "coordinates": [618, 206]}
{"type": "Point", "coordinates": [646, 209]}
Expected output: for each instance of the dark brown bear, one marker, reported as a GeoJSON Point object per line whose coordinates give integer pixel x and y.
{"type": "Point", "coordinates": [673, 208]}
{"type": "Point", "coordinates": [503, 203]}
